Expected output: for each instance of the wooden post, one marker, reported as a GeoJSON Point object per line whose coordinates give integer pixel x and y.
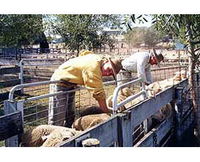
{"type": "Point", "coordinates": [21, 74]}
{"type": "Point", "coordinates": [10, 107]}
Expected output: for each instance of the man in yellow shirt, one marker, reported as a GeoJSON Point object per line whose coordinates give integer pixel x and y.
{"type": "Point", "coordinates": [84, 70]}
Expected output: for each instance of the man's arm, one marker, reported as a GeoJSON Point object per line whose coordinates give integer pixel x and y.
{"type": "Point", "coordinates": [93, 82]}
{"type": "Point", "coordinates": [141, 65]}
{"type": "Point", "coordinates": [103, 105]}
{"type": "Point", "coordinates": [148, 75]}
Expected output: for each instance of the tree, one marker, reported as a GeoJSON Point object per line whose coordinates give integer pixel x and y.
{"type": "Point", "coordinates": [135, 37]}
{"type": "Point", "coordinates": [143, 35]}
{"type": "Point", "coordinates": [152, 37]}
{"type": "Point", "coordinates": [186, 28]}
{"type": "Point", "coordinates": [84, 31]}
{"type": "Point", "coordinates": [22, 30]}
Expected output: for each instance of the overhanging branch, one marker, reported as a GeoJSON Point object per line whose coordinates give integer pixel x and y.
{"type": "Point", "coordinates": [197, 49]}
{"type": "Point", "coordinates": [195, 42]}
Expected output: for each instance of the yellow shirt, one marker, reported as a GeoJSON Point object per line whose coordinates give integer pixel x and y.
{"type": "Point", "coordinates": [85, 52]}
{"type": "Point", "coordinates": [83, 70]}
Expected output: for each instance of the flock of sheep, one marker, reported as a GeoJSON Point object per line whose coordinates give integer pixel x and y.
{"type": "Point", "coordinates": [49, 135]}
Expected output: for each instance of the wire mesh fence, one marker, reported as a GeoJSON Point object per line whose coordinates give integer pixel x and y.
{"type": "Point", "coordinates": [42, 70]}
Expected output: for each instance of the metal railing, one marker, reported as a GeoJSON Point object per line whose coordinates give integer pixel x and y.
{"type": "Point", "coordinates": [130, 98]}
{"type": "Point", "coordinates": [19, 105]}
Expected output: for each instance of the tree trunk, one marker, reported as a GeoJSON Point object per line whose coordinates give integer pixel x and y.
{"type": "Point", "coordinates": [44, 45]}
{"type": "Point", "coordinates": [192, 79]}
{"type": "Point", "coordinates": [192, 82]}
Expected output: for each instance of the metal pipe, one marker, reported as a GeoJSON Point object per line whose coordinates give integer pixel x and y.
{"type": "Point", "coordinates": [164, 68]}
{"type": "Point", "coordinates": [128, 99]}
{"type": "Point", "coordinates": [40, 59]}
{"type": "Point", "coordinates": [21, 86]}
{"type": "Point", "coordinates": [51, 95]}
{"type": "Point", "coordinates": [117, 89]}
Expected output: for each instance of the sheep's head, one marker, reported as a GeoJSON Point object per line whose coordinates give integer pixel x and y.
{"type": "Point", "coordinates": [126, 92]}
{"type": "Point", "coordinates": [154, 88]}
{"type": "Point", "coordinates": [32, 138]}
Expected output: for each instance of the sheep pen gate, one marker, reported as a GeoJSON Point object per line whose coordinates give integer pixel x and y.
{"type": "Point", "coordinates": [33, 107]}
{"type": "Point", "coordinates": [119, 129]}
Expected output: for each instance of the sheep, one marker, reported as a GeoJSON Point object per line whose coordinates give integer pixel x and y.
{"type": "Point", "coordinates": [163, 113]}
{"type": "Point", "coordinates": [88, 121]}
{"type": "Point", "coordinates": [46, 135]}
{"type": "Point", "coordinates": [93, 115]}
{"type": "Point", "coordinates": [91, 110]}
{"type": "Point", "coordinates": [152, 90]}
{"type": "Point", "coordinates": [90, 117]}
{"type": "Point", "coordinates": [158, 86]}
{"type": "Point", "coordinates": [123, 94]}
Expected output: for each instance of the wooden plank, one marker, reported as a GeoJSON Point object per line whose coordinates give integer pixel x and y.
{"type": "Point", "coordinates": [9, 70]}
{"type": "Point", "coordinates": [10, 125]}
{"type": "Point", "coordinates": [160, 131]}
{"type": "Point", "coordinates": [105, 132]}
{"type": "Point", "coordinates": [10, 83]}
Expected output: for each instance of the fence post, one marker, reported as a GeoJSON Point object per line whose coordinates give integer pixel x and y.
{"type": "Point", "coordinates": [21, 74]}
{"type": "Point", "coordinates": [10, 107]}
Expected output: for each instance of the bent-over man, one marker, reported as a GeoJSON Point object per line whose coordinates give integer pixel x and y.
{"type": "Point", "coordinates": [140, 63]}
{"type": "Point", "coordinates": [84, 70]}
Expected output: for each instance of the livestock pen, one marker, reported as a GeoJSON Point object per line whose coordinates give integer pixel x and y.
{"type": "Point", "coordinates": [38, 66]}
{"type": "Point", "coordinates": [117, 131]}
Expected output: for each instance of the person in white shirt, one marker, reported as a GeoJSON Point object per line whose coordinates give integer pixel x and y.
{"type": "Point", "coordinates": [140, 63]}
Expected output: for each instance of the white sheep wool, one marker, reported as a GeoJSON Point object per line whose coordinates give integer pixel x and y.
{"type": "Point", "coordinates": [46, 135]}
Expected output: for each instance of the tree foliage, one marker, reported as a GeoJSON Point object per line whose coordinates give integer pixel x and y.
{"type": "Point", "coordinates": [152, 37]}
{"type": "Point", "coordinates": [84, 31]}
{"type": "Point", "coordinates": [143, 35]}
{"type": "Point", "coordinates": [17, 30]}
{"type": "Point", "coordinates": [185, 28]}
{"type": "Point", "coordinates": [135, 37]}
